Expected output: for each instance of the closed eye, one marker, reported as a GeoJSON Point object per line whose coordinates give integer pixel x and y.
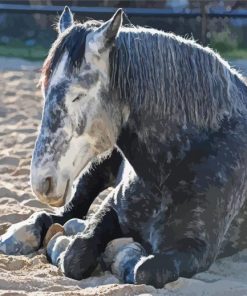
{"type": "Point", "coordinates": [77, 98]}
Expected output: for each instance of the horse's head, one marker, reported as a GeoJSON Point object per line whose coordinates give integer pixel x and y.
{"type": "Point", "coordinates": [78, 124]}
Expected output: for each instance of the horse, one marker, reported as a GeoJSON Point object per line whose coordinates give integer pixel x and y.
{"type": "Point", "coordinates": [161, 119]}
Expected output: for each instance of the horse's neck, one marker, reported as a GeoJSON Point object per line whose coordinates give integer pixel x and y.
{"type": "Point", "coordinates": [150, 151]}
{"type": "Point", "coordinates": [153, 144]}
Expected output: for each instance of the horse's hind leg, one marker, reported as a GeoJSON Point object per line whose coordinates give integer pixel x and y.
{"type": "Point", "coordinates": [27, 236]}
{"type": "Point", "coordinates": [236, 237]}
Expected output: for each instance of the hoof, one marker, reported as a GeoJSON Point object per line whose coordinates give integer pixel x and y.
{"type": "Point", "coordinates": [56, 246]}
{"type": "Point", "coordinates": [74, 226]}
{"type": "Point", "coordinates": [111, 250]}
{"type": "Point", "coordinates": [80, 258]}
{"type": "Point", "coordinates": [125, 260]}
{"type": "Point", "coordinates": [55, 228]}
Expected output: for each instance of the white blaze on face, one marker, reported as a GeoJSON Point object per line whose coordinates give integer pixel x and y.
{"type": "Point", "coordinates": [44, 162]}
{"type": "Point", "coordinates": [56, 78]}
{"type": "Point", "coordinates": [59, 73]}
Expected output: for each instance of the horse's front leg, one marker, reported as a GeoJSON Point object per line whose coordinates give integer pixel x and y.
{"type": "Point", "coordinates": [186, 258]}
{"type": "Point", "coordinates": [27, 236]}
{"type": "Point", "coordinates": [92, 183]}
{"type": "Point", "coordinates": [82, 254]}
{"type": "Point", "coordinates": [189, 250]}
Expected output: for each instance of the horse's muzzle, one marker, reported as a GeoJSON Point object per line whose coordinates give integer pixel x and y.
{"type": "Point", "coordinates": [47, 191]}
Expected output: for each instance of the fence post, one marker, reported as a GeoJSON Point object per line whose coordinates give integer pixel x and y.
{"type": "Point", "coordinates": [203, 7]}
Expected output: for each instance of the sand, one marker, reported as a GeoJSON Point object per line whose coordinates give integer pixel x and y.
{"type": "Point", "coordinates": [20, 113]}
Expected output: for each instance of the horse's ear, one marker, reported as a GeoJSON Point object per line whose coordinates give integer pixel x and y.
{"type": "Point", "coordinates": [66, 20]}
{"type": "Point", "coordinates": [105, 35]}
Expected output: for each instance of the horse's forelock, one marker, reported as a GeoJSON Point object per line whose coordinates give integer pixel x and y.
{"type": "Point", "coordinates": [73, 41]}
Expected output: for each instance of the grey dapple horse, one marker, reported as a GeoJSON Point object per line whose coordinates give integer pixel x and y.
{"type": "Point", "coordinates": [161, 119]}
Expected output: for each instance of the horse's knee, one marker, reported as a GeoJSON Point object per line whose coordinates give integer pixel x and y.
{"type": "Point", "coordinates": [80, 258]}
{"type": "Point", "coordinates": [112, 249]}
{"type": "Point", "coordinates": [74, 226]}
{"type": "Point", "coordinates": [121, 256]}
{"type": "Point", "coordinates": [56, 247]}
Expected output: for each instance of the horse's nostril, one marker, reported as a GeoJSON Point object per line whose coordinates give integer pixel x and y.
{"type": "Point", "coordinates": [47, 185]}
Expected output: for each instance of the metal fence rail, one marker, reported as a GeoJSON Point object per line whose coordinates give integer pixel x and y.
{"type": "Point", "coordinates": [204, 12]}
{"type": "Point", "coordinates": [46, 9]}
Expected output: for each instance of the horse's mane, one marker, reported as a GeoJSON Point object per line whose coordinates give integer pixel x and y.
{"type": "Point", "coordinates": [167, 74]}
{"type": "Point", "coordinates": [159, 72]}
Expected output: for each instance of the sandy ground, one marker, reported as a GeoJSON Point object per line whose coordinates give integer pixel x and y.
{"type": "Point", "coordinates": [20, 113]}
